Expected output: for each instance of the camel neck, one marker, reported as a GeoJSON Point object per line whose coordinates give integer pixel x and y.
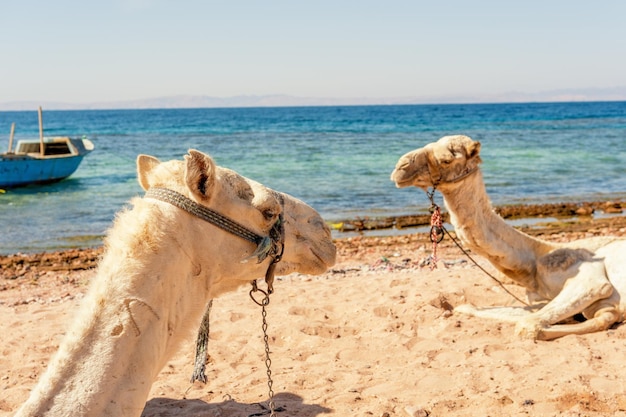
{"type": "Point", "coordinates": [467, 200]}
{"type": "Point", "coordinates": [130, 323]}
{"type": "Point", "coordinates": [484, 232]}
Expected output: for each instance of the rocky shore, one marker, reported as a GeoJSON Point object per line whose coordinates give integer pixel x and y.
{"type": "Point", "coordinates": [576, 219]}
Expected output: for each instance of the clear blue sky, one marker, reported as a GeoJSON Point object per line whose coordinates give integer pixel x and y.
{"type": "Point", "coordinates": [87, 51]}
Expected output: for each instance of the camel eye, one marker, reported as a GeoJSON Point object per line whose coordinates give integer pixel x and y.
{"type": "Point", "coordinates": [269, 214]}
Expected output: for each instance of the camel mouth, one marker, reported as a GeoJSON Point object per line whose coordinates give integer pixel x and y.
{"type": "Point", "coordinates": [325, 261]}
{"type": "Point", "coordinates": [315, 264]}
{"type": "Point", "coordinates": [402, 178]}
{"type": "Point", "coordinates": [403, 184]}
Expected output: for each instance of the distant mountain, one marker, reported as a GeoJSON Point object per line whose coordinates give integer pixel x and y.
{"type": "Point", "coordinates": [191, 101]}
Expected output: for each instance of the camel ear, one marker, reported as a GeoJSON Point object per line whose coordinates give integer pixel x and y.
{"type": "Point", "coordinates": [145, 165]}
{"type": "Point", "coordinates": [473, 149]}
{"type": "Point", "coordinates": [199, 173]}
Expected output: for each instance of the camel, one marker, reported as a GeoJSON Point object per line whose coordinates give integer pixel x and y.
{"type": "Point", "coordinates": [561, 280]}
{"type": "Point", "coordinates": [163, 262]}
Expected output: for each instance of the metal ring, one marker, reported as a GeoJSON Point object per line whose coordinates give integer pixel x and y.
{"type": "Point", "coordinates": [436, 234]}
{"type": "Point", "coordinates": [265, 301]}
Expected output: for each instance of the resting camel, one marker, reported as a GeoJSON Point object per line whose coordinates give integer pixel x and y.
{"type": "Point", "coordinates": [178, 247]}
{"type": "Point", "coordinates": [561, 280]}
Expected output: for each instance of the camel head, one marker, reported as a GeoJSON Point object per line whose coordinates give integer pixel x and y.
{"type": "Point", "coordinates": [308, 247]}
{"type": "Point", "coordinates": [446, 161]}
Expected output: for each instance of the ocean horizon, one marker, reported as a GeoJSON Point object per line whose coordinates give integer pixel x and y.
{"type": "Point", "coordinates": [335, 158]}
{"type": "Point", "coordinates": [188, 101]}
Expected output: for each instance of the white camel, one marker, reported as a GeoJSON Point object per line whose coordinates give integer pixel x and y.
{"type": "Point", "coordinates": [165, 258]}
{"type": "Point", "coordinates": [586, 276]}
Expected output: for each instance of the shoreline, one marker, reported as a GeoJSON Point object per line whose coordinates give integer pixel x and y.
{"type": "Point", "coordinates": [544, 220]}
{"type": "Point", "coordinates": [507, 212]}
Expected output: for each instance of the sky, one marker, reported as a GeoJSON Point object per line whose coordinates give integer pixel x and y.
{"type": "Point", "coordinates": [110, 50]}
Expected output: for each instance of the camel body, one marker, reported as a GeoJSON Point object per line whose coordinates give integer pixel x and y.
{"type": "Point", "coordinates": [587, 276]}
{"type": "Point", "coordinates": [160, 268]}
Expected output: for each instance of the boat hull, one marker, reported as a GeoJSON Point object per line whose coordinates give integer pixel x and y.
{"type": "Point", "coordinates": [21, 169]}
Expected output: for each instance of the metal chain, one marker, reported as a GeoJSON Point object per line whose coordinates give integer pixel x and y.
{"type": "Point", "coordinates": [268, 361]}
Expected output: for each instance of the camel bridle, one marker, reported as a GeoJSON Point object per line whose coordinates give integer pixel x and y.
{"type": "Point", "coordinates": [271, 246]}
{"type": "Point", "coordinates": [452, 181]}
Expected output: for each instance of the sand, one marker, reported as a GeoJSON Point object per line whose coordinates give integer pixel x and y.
{"type": "Point", "coordinates": [374, 336]}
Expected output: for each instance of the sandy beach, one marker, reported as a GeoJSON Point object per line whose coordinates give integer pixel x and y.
{"type": "Point", "coordinates": [373, 336]}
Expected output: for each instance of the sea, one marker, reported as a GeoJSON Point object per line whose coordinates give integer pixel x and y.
{"type": "Point", "coordinates": [337, 159]}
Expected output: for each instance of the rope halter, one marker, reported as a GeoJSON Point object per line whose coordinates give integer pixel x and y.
{"type": "Point", "coordinates": [267, 246]}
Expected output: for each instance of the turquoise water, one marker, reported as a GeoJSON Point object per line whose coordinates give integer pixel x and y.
{"type": "Point", "coordinates": [337, 159]}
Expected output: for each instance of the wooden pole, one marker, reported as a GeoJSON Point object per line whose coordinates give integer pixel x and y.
{"type": "Point", "coordinates": [41, 150]}
{"type": "Point", "coordinates": [11, 137]}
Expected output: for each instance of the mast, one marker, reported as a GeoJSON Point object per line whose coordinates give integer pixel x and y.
{"type": "Point", "coordinates": [11, 138]}
{"type": "Point", "coordinates": [41, 147]}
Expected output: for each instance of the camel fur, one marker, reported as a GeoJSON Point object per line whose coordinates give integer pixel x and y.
{"type": "Point", "coordinates": [586, 276]}
{"type": "Point", "coordinates": [160, 268]}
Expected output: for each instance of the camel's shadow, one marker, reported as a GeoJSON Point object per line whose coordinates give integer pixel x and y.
{"type": "Point", "coordinates": [286, 404]}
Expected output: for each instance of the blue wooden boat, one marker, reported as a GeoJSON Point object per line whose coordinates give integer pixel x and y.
{"type": "Point", "coordinates": [41, 161]}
